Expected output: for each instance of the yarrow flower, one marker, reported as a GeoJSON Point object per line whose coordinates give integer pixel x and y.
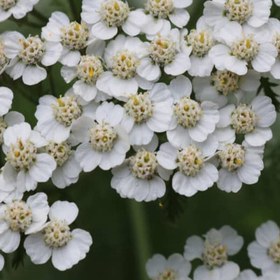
{"type": "Point", "coordinates": [272, 33]}
{"type": "Point", "coordinates": [224, 87]}
{"type": "Point", "coordinates": [107, 16]}
{"type": "Point", "coordinates": [265, 251]}
{"type": "Point", "coordinates": [214, 251]}
{"type": "Point", "coordinates": [28, 55]}
{"type": "Point", "coordinates": [19, 217]}
{"type": "Point", "coordinates": [175, 267]}
{"type": "Point", "coordinates": [147, 113]}
{"type": "Point", "coordinates": [56, 241]}
{"type": "Point", "coordinates": [17, 8]}
{"type": "Point", "coordinates": [194, 173]}
{"type": "Point", "coordinates": [199, 41]}
{"type": "Point", "coordinates": [159, 11]}
{"type": "Point", "coordinates": [56, 115]}
{"type": "Point", "coordinates": [67, 167]}
{"type": "Point", "coordinates": [251, 120]}
{"type": "Point", "coordinates": [25, 165]}
{"type": "Point", "coordinates": [239, 163]}
{"type": "Point", "coordinates": [141, 177]}
{"type": "Point", "coordinates": [104, 142]}
{"type": "Point", "coordinates": [243, 47]}
{"type": "Point", "coordinates": [164, 52]}
{"type": "Point", "coordinates": [123, 56]}
{"type": "Point", "coordinates": [191, 120]}
{"type": "Point", "coordinates": [168, 111]}
{"type": "Point", "coordinates": [254, 13]}
{"type": "Point", "coordinates": [70, 36]}
{"type": "Point", "coordinates": [87, 72]}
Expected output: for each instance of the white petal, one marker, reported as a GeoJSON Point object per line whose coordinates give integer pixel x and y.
{"type": "Point", "coordinates": [6, 97]}
{"type": "Point", "coordinates": [148, 70]}
{"type": "Point", "coordinates": [194, 248]}
{"type": "Point", "coordinates": [87, 157]}
{"type": "Point", "coordinates": [228, 181]}
{"type": "Point", "coordinates": [101, 31]}
{"type": "Point", "coordinates": [179, 66]}
{"type": "Point", "coordinates": [42, 170]}
{"type": "Point", "coordinates": [181, 86]}
{"type": "Point", "coordinates": [182, 185]}
{"type": "Point", "coordinates": [36, 248]}
{"type": "Point", "coordinates": [64, 211]}
{"type": "Point", "coordinates": [9, 241]}
{"type": "Point", "coordinates": [179, 17]}
{"type": "Point", "coordinates": [267, 234]}
{"type": "Point", "coordinates": [33, 75]}
{"type": "Point", "coordinates": [166, 156]}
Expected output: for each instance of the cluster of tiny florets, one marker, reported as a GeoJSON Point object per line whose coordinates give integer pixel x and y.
{"type": "Point", "coordinates": [164, 103]}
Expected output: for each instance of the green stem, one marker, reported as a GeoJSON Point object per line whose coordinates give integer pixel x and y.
{"type": "Point", "coordinates": [140, 235]}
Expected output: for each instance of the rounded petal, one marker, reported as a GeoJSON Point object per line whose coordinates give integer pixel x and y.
{"type": "Point", "coordinates": [64, 211]}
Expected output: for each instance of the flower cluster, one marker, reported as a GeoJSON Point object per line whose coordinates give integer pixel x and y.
{"type": "Point", "coordinates": [148, 100]}
{"type": "Point", "coordinates": [214, 250]}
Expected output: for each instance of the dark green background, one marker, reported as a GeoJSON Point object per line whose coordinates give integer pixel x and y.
{"type": "Point", "coordinates": [126, 233]}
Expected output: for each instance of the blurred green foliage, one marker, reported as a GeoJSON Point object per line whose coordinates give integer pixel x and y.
{"type": "Point", "coordinates": [126, 233]}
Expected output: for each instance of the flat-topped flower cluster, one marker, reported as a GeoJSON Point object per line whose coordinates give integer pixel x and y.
{"type": "Point", "coordinates": [214, 251]}
{"type": "Point", "coordinates": [149, 100]}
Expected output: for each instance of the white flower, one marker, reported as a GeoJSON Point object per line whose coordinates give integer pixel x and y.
{"type": "Point", "coordinates": [219, 12]}
{"type": "Point", "coordinates": [146, 113]}
{"type": "Point", "coordinates": [272, 32]}
{"type": "Point", "coordinates": [8, 190]}
{"type": "Point", "coordinates": [191, 119]}
{"type": "Point", "coordinates": [141, 177]}
{"type": "Point", "coordinates": [243, 47]}
{"type": "Point", "coordinates": [248, 274]}
{"type": "Point", "coordinates": [264, 253]}
{"type": "Point", "coordinates": [107, 16]}
{"type": "Point", "coordinates": [19, 217]}
{"type": "Point", "coordinates": [10, 119]}
{"type": "Point", "coordinates": [252, 120]}
{"type": "Point", "coordinates": [123, 56]}
{"type": "Point", "coordinates": [158, 11]}
{"type": "Point", "coordinates": [164, 51]}
{"type": "Point", "coordinates": [67, 168]}
{"type": "Point", "coordinates": [269, 275]}
{"type": "Point", "coordinates": [56, 115]}
{"type": "Point", "coordinates": [17, 8]}
{"type": "Point", "coordinates": [194, 172]}
{"type": "Point", "coordinates": [214, 250]}
{"type": "Point", "coordinates": [277, 2]}
{"type": "Point", "coordinates": [56, 241]}
{"type": "Point", "coordinates": [239, 164]}
{"type": "Point", "coordinates": [104, 140]}
{"type": "Point", "coordinates": [6, 98]}
{"type": "Point", "coordinates": [224, 86]}
{"type": "Point", "coordinates": [4, 60]}
{"type": "Point", "coordinates": [28, 55]}
{"type": "Point", "coordinates": [87, 72]}
{"type": "Point", "coordinates": [173, 268]}
{"type": "Point", "coordinates": [199, 41]}
{"type": "Point", "coordinates": [71, 36]}
{"type": "Point", "coordinates": [25, 164]}
{"type": "Point", "coordinates": [2, 262]}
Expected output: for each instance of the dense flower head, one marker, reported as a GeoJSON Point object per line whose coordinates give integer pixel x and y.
{"type": "Point", "coordinates": [164, 103]}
